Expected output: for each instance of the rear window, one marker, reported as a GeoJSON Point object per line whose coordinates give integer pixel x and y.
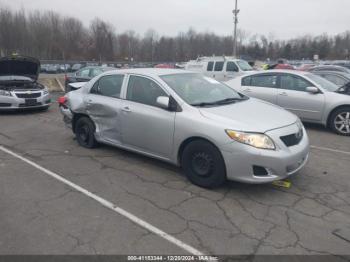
{"type": "Point", "coordinates": [219, 66]}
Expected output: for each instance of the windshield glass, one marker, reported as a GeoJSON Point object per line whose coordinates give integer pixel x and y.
{"type": "Point", "coordinates": [327, 85]}
{"type": "Point", "coordinates": [244, 66]}
{"type": "Point", "coordinates": [196, 89]}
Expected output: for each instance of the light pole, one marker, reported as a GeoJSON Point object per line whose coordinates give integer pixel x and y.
{"type": "Point", "coordinates": [235, 20]}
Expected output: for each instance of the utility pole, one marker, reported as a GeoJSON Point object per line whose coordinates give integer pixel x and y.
{"type": "Point", "coordinates": [235, 20]}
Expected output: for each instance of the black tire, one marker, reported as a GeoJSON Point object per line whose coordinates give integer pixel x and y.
{"type": "Point", "coordinates": [85, 132]}
{"type": "Point", "coordinates": [340, 121]}
{"type": "Point", "coordinates": [203, 164]}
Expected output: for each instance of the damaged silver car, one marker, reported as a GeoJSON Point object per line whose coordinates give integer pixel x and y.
{"type": "Point", "coordinates": [213, 132]}
{"type": "Point", "coordinates": [19, 88]}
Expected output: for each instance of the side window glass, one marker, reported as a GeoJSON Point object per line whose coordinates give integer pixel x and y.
{"type": "Point", "coordinates": [210, 66]}
{"type": "Point", "coordinates": [232, 67]}
{"type": "Point", "coordinates": [246, 81]}
{"type": "Point", "coordinates": [84, 73]}
{"type": "Point", "coordinates": [108, 86]}
{"type": "Point", "coordinates": [219, 66]}
{"type": "Point", "coordinates": [95, 72]}
{"type": "Point", "coordinates": [295, 83]}
{"type": "Point", "coordinates": [336, 80]}
{"type": "Point", "coordinates": [144, 91]}
{"type": "Point", "coordinates": [264, 81]}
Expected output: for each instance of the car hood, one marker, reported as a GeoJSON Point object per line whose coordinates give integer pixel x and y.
{"type": "Point", "coordinates": [251, 115]}
{"type": "Point", "coordinates": [20, 66]}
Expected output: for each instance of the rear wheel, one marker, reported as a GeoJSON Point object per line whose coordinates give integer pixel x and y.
{"type": "Point", "coordinates": [340, 121]}
{"type": "Point", "coordinates": [85, 132]}
{"type": "Point", "coordinates": [203, 164]}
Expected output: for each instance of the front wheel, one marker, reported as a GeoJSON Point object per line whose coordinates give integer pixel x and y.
{"type": "Point", "coordinates": [340, 121]}
{"type": "Point", "coordinates": [203, 164]}
{"type": "Point", "coordinates": [85, 132]}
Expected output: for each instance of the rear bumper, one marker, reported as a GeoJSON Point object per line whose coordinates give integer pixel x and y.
{"type": "Point", "coordinates": [67, 116]}
{"type": "Point", "coordinates": [281, 163]}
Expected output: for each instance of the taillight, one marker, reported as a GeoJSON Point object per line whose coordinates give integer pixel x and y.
{"type": "Point", "coordinates": [65, 77]}
{"type": "Point", "coordinates": [62, 101]}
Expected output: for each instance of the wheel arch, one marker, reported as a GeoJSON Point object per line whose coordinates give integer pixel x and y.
{"type": "Point", "coordinates": [333, 110]}
{"type": "Point", "coordinates": [187, 141]}
{"type": "Point", "coordinates": [76, 117]}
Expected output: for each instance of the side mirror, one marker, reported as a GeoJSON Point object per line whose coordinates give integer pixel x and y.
{"type": "Point", "coordinates": [312, 90]}
{"type": "Point", "coordinates": [163, 102]}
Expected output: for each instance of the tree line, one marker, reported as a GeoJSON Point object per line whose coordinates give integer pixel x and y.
{"type": "Point", "coordinates": [50, 36]}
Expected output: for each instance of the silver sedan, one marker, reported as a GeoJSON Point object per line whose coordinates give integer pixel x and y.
{"type": "Point", "coordinates": [189, 120]}
{"type": "Point", "coordinates": [311, 97]}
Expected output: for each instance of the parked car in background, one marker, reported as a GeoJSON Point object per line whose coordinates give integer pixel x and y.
{"type": "Point", "coordinates": [53, 69]}
{"type": "Point", "coordinates": [43, 68]}
{"type": "Point", "coordinates": [84, 75]}
{"type": "Point", "coordinates": [220, 68]}
{"type": "Point", "coordinates": [19, 88]}
{"type": "Point", "coordinates": [339, 78]}
{"type": "Point", "coordinates": [189, 120]}
{"type": "Point", "coordinates": [311, 97]}
{"type": "Point", "coordinates": [76, 67]}
{"type": "Point", "coordinates": [329, 68]}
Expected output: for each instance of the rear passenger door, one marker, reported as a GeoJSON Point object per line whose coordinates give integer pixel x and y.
{"type": "Point", "coordinates": [103, 104]}
{"type": "Point", "coordinates": [262, 86]}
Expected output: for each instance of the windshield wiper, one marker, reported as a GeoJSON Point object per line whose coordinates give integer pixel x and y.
{"type": "Point", "coordinates": [219, 102]}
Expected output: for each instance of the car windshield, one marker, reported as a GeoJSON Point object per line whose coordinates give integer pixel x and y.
{"type": "Point", "coordinates": [198, 90]}
{"type": "Point", "coordinates": [327, 85]}
{"type": "Point", "coordinates": [244, 66]}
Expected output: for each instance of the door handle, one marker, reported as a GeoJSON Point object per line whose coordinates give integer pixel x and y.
{"type": "Point", "coordinates": [283, 94]}
{"type": "Point", "coordinates": [126, 109]}
{"type": "Point", "coordinates": [247, 90]}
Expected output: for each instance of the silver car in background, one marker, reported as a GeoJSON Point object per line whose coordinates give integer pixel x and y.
{"type": "Point", "coordinates": [19, 88]}
{"type": "Point", "coordinates": [189, 120]}
{"type": "Point", "coordinates": [311, 97]}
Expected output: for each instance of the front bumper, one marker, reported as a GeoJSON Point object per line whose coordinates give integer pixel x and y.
{"type": "Point", "coordinates": [15, 103]}
{"type": "Point", "coordinates": [278, 164]}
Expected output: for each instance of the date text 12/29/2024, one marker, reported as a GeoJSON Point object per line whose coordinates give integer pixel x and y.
{"type": "Point", "coordinates": [172, 258]}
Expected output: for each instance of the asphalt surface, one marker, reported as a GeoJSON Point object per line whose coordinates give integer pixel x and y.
{"type": "Point", "coordinates": [41, 215]}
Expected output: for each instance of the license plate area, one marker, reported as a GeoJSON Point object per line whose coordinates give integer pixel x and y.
{"type": "Point", "coordinates": [30, 102]}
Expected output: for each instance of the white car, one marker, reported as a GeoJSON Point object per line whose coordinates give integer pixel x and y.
{"type": "Point", "coordinates": [221, 68]}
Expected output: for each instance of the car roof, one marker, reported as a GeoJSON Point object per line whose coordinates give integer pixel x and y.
{"type": "Point", "coordinates": [153, 72]}
{"type": "Point", "coordinates": [333, 73]}
{"type": "Point", "coordinates": [285, 71]}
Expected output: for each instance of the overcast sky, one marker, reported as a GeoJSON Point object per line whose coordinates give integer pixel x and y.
{"type": "Point", "coordinates": [283, 18]}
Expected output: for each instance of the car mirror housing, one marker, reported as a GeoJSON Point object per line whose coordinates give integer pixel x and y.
{"type": "Point", "coordinates": [312, 90]}
{"type": "Point", "coordinates": [163, 102]}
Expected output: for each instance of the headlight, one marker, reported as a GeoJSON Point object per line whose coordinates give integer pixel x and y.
{"type": "Point", "coordinates": [46, 91]}
{"type": "Point", "coordinates": [253, 139]}
{"type": "Point", "coordinates": [5, 93]}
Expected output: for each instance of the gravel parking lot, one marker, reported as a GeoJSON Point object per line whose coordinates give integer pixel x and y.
{"type": "Point", "coordinates": [42, 215]}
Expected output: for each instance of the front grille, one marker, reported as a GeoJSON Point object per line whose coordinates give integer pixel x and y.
{"type": "Point", "coordinates": [28, 95]}
{"type": "Point", "coordinates": [293, 139]}
{"type": "Point", "coordinates": [30, 105]}
{"type": "Point", "coordinates": [5, 105]}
